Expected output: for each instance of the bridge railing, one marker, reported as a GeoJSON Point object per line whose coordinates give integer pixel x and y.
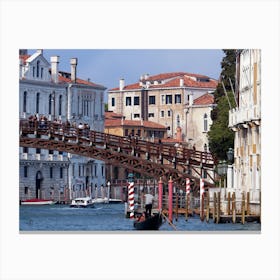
{"type": "Point", "coordinates": [129, 145]}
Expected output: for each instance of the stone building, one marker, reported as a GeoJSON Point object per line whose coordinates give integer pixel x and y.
{"type": "Point", "coordinates": [245, 121]}
{"type": "Point", "coordinates": [168, 99]}
{"type": "Point", "coordinates": [45, 91]}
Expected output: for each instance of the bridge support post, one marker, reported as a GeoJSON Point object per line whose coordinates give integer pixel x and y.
{"type": "Point", "coordinates": [170, 198]}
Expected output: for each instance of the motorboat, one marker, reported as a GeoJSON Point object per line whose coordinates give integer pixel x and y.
{"type": "Point", "coordinates": [106, 200]}
{"type": "Point", "coordinates": [115, 200]}
{"type": "Point", "coordinates": [37, 201]}
{"type": "Point", "coordinates": [82, 202]}
{"type": "Point", "coordinates": [100, 200]}
{"type": "Point", "coordinates": [150, 223]}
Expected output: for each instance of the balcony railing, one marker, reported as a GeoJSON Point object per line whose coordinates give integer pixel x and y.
{"type": "Point", "coordinates": [244, 115]}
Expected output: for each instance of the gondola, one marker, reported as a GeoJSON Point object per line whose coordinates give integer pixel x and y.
{"type": "Point", "coordinates": [152, 223]}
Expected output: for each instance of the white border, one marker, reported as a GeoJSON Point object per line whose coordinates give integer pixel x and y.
{"type": "Point", "coordinates": [139, 24]}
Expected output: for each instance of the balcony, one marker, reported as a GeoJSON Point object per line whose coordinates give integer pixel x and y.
{"type": "Point", "coordinates": [244, 115]}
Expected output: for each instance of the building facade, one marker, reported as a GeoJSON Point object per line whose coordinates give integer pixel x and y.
{"type": "Point", "coordinates": [245, 121]}
{"type": "Point", "coordinates": [46, 92]}
{"type": "Point", "coordinates": [167, 99]}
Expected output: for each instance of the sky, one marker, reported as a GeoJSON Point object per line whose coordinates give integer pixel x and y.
{"type": "Point", "coordinates": [108, 66]}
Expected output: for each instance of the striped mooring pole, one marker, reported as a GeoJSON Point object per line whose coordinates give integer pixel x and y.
{"type": "Point", "coordinates": [188, 191]}
{"type": "Point", "coordinates": [201, 199]}
{"type": "Point", "coordinates": [131, 199]}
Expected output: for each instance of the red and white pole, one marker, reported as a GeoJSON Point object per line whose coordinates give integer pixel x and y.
{"type": "Point", "coordinates": [202, 199]}
{"type": "Point", "coordinates": [160, 191]}
{"type": "Point", "coordinates": [170, 198]}
{"type": "Point", "coordinates": [131, 199]}
{"type": "Point", "coordinates": [188, 191]}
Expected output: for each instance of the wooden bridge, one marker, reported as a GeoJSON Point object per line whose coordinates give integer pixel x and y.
{"type": "Point", "coordinates": [151, 159]}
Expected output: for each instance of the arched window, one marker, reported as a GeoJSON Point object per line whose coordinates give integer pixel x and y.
{"type": "Point", "coordinates": [38, 69]}
{"type": "Point", "coordinates": [60, 105]}
{"type": "Point", "coordinates": [205, 148]}
{"type": "Point", "coordinates": [50, 104]}
{"type": "Point", "coordinates": [24, 101]}
{"type": "Point", "coordinates": [205, 122]}
{"type": "Point", "coordinates": [37, 102]}
{"type": "Point", "coordinates": [178, 120]}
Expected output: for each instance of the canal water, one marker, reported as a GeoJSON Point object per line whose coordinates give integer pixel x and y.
{"type": "Point", "coordinates": [107, 217]}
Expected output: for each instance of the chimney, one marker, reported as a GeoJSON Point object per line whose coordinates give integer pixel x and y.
{"type": "Point", "coordinates": [40, 51]}
{"type": "Point", "coordinates": [181, 82]}
{"type": "Point", "coordinates": [73, 62]}
{"type": "Point", "coordinates": [146, 76]}
{"type": "Point", "coordinates": [54, 68]}
{"type": "Point", "coordinates": [121, 84]}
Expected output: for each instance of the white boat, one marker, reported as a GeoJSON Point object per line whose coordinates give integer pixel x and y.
{"type": "Point", "coordinates": [100, 200]}
{"type": "Point", "coordinates": [37, 201]}
{"type": "Point", "coordinates": [82, 202]}
{"type": "Point", "coordinates": [115, 200]}
{"type": "Point", "coordinates": [106, 200]}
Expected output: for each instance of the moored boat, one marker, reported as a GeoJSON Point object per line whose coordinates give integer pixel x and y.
{"type": "Point", "coordinates": [82, 202]}
{"type": "Point", "coordinates": [37, 201]}
{"type": "Point", "coordinates": [151, 223]}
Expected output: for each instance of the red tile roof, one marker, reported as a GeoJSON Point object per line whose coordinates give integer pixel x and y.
{"type": "Point", "coordinates": [24, 57]}
{"type": "Point", "coordinates": [112, 115]}
{"type": "Point", "coordinates": [146, 124]}
{"type": "Point", "coordinates": [173, 80]}
{"type": "Point", "coordinates": [64, 79]}
{"type": "Point", "coordinates": [204, 99]}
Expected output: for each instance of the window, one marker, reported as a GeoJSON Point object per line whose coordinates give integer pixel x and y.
{"type": "Point", "coordinates": [169, 113]}
{"type": "Point", "coordinates": [136, 115]}
{"type": "Point", "coordinates": [177, 98]}
{"type": "Point", "coordinates": [205, 147]}
{"type": "Point", "coordinates": [152, 99]}
{"type": "Point", "coordinates": [50, 104]}
{"type": "Point", "coordinates": [42, 71]}
{"type": "Point", "coordinates": [205, 122]}
{"type": "Point", "coordinates": [113, 101]}
{"type": "Point", "coordinates": [38, 68]}
{"type": "Point", "coordinates": [60, 105]}
{"type": "Point", "coordinates": [50, 152]}
{"type": "Point", "coordinates": [162, 114]}
{"type": "Point", "coordinates": [139, 132]}
{"type": "Point", "coordinates": [128, 101]}
{"type": "Point", "coordinates": [136, 100]}
{"type": "Point", "coordinates": [25, 171]}
{"type": "Point", "coordinates": [24, 101]}
{"type": "Point", "coordinates": [37, 102]}
{"type": "Point", "coordinates": [79, 170]}
{"type": "Point", "coordinates": [168, 99]}
{"type": "Point", "coordinates": [25, 190]}
{"type": "Point", "coordinates": [151, 115]}
{"type": "Point", "coordinates": [102, 170]}
{"type": "Point", "coordinates": [33, 71]}
{"type": "Point", "coordinates": [178, 120]}
{"type": "Point", "coordinates": [38, 150]}
{"type": "Point", "coordinates": [162, 99]}
{"type": "Point", "coordinates": [25, 150]}
{"type": "Point", "coordinates": [126, 132]}
{"type": "Point", "coordinates": [95, 170]}
{"type": "Point", "coordinates": [51, 172]}
{"type": "Point", "coordinates": [60, 153]}
{"type": "Point", "coordinates": [61, 172]}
